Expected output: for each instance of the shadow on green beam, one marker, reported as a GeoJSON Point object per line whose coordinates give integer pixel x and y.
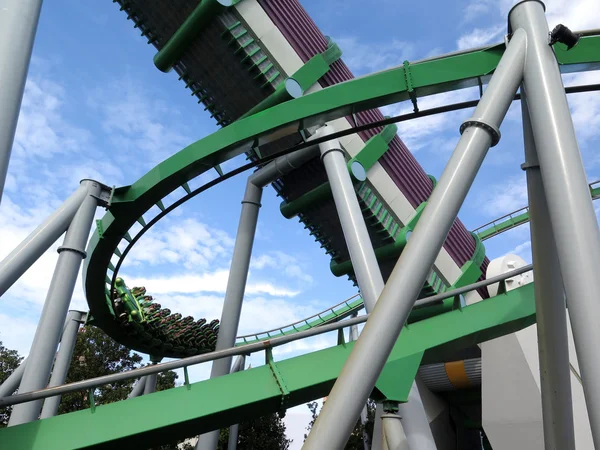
{"type": "Point", "coordinates": [182, 412]}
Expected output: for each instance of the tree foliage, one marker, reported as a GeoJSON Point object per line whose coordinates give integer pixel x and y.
{"type": "Point", "coordinates": [263, 433]}
{"type": "Point", "coordinates": [356, 439]}
{"type": "Point", "coordinates": [9, 361]}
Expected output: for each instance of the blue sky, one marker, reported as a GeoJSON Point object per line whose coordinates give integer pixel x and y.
{"type": "Point", "coordinates": [96, 107]}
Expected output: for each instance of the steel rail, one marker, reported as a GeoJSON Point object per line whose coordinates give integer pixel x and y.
{"type": "Point", "coordinates": [305, 144]}
{"type": "Point", "coordinates": [234, 351]}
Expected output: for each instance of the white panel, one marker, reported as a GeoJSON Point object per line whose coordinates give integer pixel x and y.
{"type": "Point", "coordinates": [510, 397]}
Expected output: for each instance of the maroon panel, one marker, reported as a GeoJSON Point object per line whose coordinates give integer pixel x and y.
{"type": "Point", "coordinates": [307, 40]}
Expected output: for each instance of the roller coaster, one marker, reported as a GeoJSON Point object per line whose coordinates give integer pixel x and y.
{"type": "Point", "coordinates": [445, 329]}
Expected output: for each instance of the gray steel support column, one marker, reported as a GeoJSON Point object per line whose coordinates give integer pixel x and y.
{"type": "Point", "coordinates": [415, 423]}
{"type": "Point", "coordinates": [40, 239]}
{"type": "Point", "coordinates": [234, 294]}
{"type": "Point", "coordinates": [240, 264]}
{"type": "Point", "coordinates": [138, 388]}
{"type": "Point", "coordinates": [63, 361]}
{"type": "Point", "coordinates": [11, 384]}
{"type": "Point", "coordinates": [364, 412]}
{"type": "Point", "coordinates": [368, 274]}
{"type": "Point", "coordinates": [551, 312]}
{"type": "Point", "coordinates": [378, 442]}
{"type": "Point", "coordinates": [48, 332]}
{"type": "Point", "coordinates": [394, 433]}
{"type": "Point", "coordinates": [359, 374]}
{"type": "Point", "coordinates": [18, 24]}
{"type": "Point", "coordinates": [567, 194]}
{"type": "Point", "coordinates": [150, 384]}
{"type": "Point", "coordinates": [234, 429]}
{"type": "Point", "coordinates": [362, 255]}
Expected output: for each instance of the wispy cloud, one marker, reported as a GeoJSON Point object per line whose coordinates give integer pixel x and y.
{"type": "Point", "coordinates": [505, 197]}
{"type": "Point", "coordinates": [479, 37]}
{"type": "Point", "coordinates": [364, 57]}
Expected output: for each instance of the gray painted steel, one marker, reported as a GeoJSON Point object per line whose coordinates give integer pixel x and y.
{"type": "Point", "coordinates": [378, 442]}
{"type": "Point", "coordinates": [18, 24]}
{"type": "Point", "coordinates": [11, 384]}
{"type": "Point", "coordinates": [63, 360]}
{"type": "Point", "coordinates": [138, 388]}
{"type": "Point", "coordinates": [551, 312]}
{"type": "Point", "coordinates": [150, 384]}
{"type": "Point", "coordinates": [415, 423]}
{"type": "Point", "coordinates": [234, 429]}
{"type": "Point", "coordinates": [570, 207]}
{"type": "Point", "coordinates": [394, 433]}
{"type": "Point", "coordinates": [353, 335]}
{"type": "Point", "coordinates": [240, 264]}
{"type": "Point", "coordinates": [56, 305]}
{"type": "Point", "coordinates": [337, 418]}
{"type": "Point", "coordinates": [40, 239]}
{"type": "Point", "coordinates": [362, 255]}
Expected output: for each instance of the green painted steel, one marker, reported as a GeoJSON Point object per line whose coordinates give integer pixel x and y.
{"type": "Point", "coordinates": [216, 403]}
{"type": "Point", "coordinates": [129, 203]}
{"type": "Point", "coordinates": [386, 252]}
{"type": "Point", "coordinates": [374, 148]}
{"type": "Point", "coordinates": [306, 76]}
{"type": "Point", "coordinates": [306, 201]}
{"type": "Point", "coordinates": [176, 46]}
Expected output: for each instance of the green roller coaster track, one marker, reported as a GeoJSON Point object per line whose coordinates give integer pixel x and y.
{"type": "Point", "coordinates": [201, 406]}
{"type": "Point", "coordinates": [129, 204]}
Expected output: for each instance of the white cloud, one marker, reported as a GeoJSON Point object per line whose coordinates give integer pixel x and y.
{"type": "Point", "coordinates": [287, 264]}
{"type": "Point", "coordinates": [477, 8]}
{"type": "Point", "coordinates": [363, 57]}
{"type": "Point", "coordinates": [505, 197]}
{"type": "Point", "coordinates": [480, 37]}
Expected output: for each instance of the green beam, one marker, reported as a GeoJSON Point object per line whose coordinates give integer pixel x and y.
{"type": "Point", "coordinates": [306, 76]}
{"type": "Point", "coordinates": [374, 148]}
{"type": "Point", "coordinates": [306, 201]}
{"type": "Point", "coordinates": [191, 28]}
{"type": "Point", "coordinates": [216, 403]}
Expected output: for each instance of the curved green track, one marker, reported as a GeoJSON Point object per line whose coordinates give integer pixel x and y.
{"type": "Point", "coordinates": [131, 204]}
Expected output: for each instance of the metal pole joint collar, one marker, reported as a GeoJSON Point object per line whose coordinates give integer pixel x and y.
{"type": "Point", "coordinates": [491, 129]}
{"type": "Point", "coordinates": [72, 249]}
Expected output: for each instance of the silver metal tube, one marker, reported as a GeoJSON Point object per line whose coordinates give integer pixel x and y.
{"type": "Point", "coordinates": [234, 294]}
{"type": "Point", "coordinates": [34, 245]}
{"type": "Point", "coordinates": [335, 422]}
{"type": "Point", "coordinates": [18, 24]}
{"type": "Point", "coordinates": [570, 207]}
{"type": "Point", "coordinates": [150, 384]}
{"type": "Point", "coordinates": [11, 384]}
{"type": "Point", "coordinates": [415, 423]}
{"type": "Point", "coordinates": [56, 305]}
{"type": "Point", "coordinates": [240, 264]}
{"type": "Point", "coordinates": [206, 357]}
{"type": "Point", "coordinates": [378, 442]}
{"type": "Point", "coordinates": [353, 335]}
{"type": "Point", "coordinates": [394, 433]}
{"type": "Point", "coordinates": [234, 429]}
{"type": "Point", "coordinates": [362, 255]}
{"type": "Point", "coordinates": [138, 388]}
{"type": "Point", "coordinates": [553, 338]}
{"type": "Point", "coordinates": [62, 361]}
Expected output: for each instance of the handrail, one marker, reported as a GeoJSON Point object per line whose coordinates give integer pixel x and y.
{"type": "Point", "coordinates": [306, 321]}
{"type": "Point", "coordinates": [234, 351]}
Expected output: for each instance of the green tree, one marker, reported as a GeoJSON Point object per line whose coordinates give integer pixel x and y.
{"type": "Point", "coordinates": [355, 441]}
{"type": "Point", "coordinates": [263, 433]}
{"type": "Point", "coordinates": [9, 361]}
{"type": "Point", "coordinates": [95, 355]}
